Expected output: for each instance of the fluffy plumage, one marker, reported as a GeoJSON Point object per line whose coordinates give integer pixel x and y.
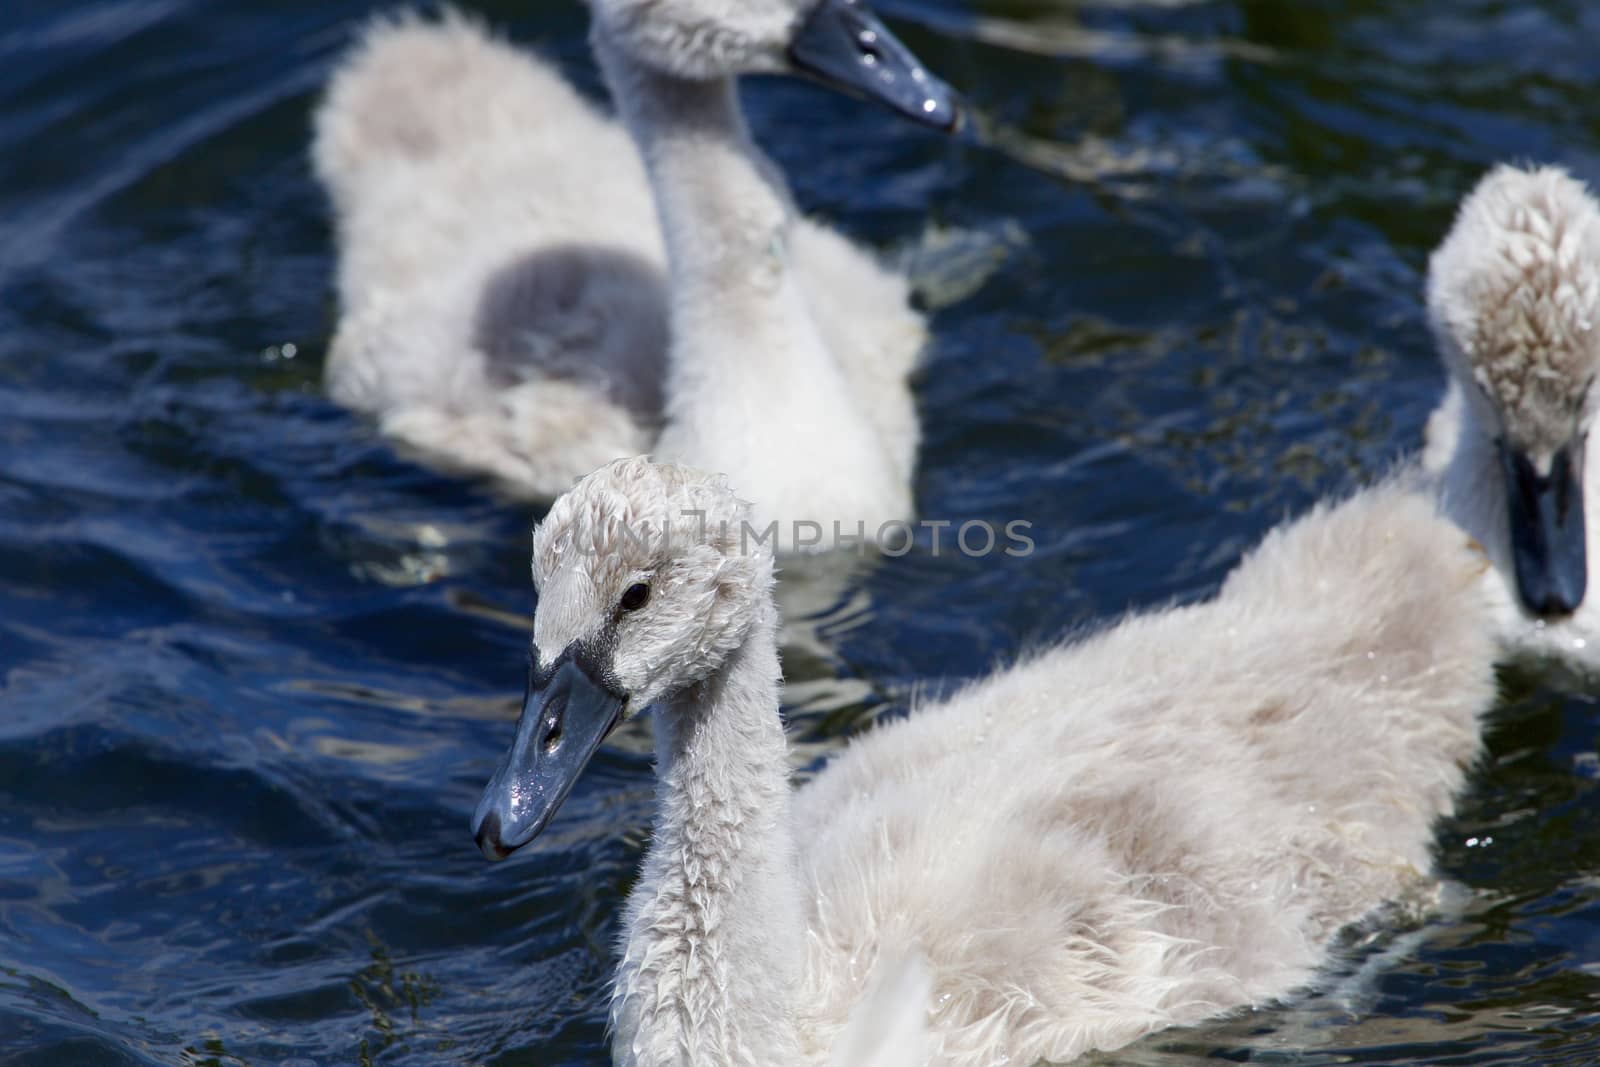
{"type": "Point", "coordinates": [1146, 828]}
{"type": "Point", "coordinates": [505, 303]}
{"type": "Point", "coordinates": [1141, 828]}
{"type": "Point", "coordinates": [1514, 300]}
{"type": "Point", "coordinates": [682, 532]}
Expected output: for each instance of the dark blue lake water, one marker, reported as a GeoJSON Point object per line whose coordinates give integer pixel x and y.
{"type": "Point", "coordinates": [255, 668]}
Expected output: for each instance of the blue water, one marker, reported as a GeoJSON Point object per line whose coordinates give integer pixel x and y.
{"type": "Point", "coordinates": [254, 667]}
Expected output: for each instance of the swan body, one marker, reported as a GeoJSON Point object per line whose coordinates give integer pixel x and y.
{"type": "Point", "coordinates": [1137, 829]}
{"type": "Point", "coordinates": [507, 307]}
{"type": "Point", "coordinates": [1514, 299]}
{"type": "Point", "coordinates": [1156, 824]}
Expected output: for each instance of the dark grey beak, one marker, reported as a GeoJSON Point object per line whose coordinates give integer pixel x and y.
{"type": "Point", "coordinates": [565, 715]}
{"type": "Point", "coordinates": [1548, 544]}
{"type": "Point", "coordinates": [843, 44]}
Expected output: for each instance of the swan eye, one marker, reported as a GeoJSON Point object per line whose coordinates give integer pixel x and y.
{"type": "Point", "coordinates": [635, 597]}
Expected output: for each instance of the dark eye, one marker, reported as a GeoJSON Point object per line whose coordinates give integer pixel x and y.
{"type": "Point", "coordinates": [635, 597]}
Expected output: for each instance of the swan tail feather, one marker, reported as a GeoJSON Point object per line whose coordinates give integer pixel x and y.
{"type": "Point", "coordinates": [509, 449]}
{"type": "Point", "coordinates": [889, 1025]}
{"type": "Point", "coordinates": [414, 89]}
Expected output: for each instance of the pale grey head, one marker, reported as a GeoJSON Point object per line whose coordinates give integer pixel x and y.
{"type": "Point", "coordinates": [838, 42]}
{"type": "Point", "coordinates": [648, 580]}
{"type": "Point", "coordinates": [1514, 299]}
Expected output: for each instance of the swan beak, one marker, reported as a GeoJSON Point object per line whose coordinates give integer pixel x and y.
{"type": "Point", "coordinates": [842, 44]}
{"type": "Point", "coordinates": [565, 715]}
{"type": "Point", "coordinates": [1548, 543]}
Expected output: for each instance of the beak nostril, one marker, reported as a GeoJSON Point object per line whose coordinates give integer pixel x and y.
{"type": "Point", "coordinates": [844, 45]}
{"type": "Point", "coordinates": [566, 714]}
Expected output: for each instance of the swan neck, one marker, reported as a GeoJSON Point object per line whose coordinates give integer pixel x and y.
{"type": "Point", "coordinates": [1471, 486]}
{"type": "Point", "coordinates": [715, 937]}
{"type": "Point", "coordinates": [725, 210]}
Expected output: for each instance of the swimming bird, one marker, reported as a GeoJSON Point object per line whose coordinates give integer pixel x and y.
{"type": "Point", "coordinates": [1514, 301]}
{"type": "Point", "coordinates": [1149, 826]}
{"type": "Point", "coordinates": [503, 277]}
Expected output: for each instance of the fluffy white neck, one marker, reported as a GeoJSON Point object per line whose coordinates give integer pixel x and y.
{"type": "Point", "coordinates": [714, 940]}
{"type": "Point", "coordinates": [753, 390]}
{"type": "Point", "coordinates": [724, 207]}
{"type": "Point", "coordinates": [1472, 488]}
{"type": "Point", "coordinates": [1462, 455]}
{"type": "Point", "coordinates": [724, 211]}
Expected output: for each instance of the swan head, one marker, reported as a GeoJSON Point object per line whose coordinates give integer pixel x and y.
{"type": "Point", "coordinates": [647, 583]}
{"type": "Point", "coordinates": [1514, 300]}
{"type": "Point", "coordinates": [838, 42]}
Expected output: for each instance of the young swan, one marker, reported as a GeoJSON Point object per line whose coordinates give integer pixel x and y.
{"type": "Point", "coordinates": [1514, 298]}
{"type": "Point", "coordinates": [1138, 829]}
{"type": "Point", "coordinates": [506, 309]}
